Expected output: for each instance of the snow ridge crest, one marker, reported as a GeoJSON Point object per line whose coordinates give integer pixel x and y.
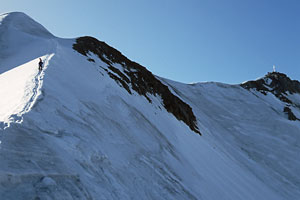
{"type": "Point", "coordinates": [18, 21]}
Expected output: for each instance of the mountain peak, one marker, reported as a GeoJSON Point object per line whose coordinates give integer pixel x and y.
{"type": "Point", "coordinates": [19, 21]}
{"type": "Point", "coordinates": [277, 83]}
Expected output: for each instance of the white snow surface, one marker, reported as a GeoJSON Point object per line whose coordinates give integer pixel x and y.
{"type": "Point", "coordinates": [71, 132]}
{"type": "Point", "coordinates": [19, 95]}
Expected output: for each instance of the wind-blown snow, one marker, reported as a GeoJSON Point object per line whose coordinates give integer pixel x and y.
{"type": "Point", "coordinates": [82, 136]}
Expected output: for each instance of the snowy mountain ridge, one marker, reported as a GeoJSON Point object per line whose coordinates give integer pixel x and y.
{"type": "Point", "coordinates": [136, 77]}
{"type": "Point", "coordinates": [95, 125]}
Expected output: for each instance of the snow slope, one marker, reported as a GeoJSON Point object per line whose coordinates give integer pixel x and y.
{"type": "Point", "coordinates": [251, 128]}
{"type": "Point", "coordinates": [18, 96]}
{"type": "Point", "coordinates": [74, 132]}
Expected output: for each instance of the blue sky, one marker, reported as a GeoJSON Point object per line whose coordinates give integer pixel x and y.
{"type": "Point", "coordinates": [228, 41]}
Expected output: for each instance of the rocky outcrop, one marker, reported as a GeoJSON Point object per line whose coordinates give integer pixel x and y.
{"type": "Point", "coordinates": [290, 114]}
{"type": "Point", "coordinates": [278, 84]}
{"type": "Point", "coordinates": [136, 77]}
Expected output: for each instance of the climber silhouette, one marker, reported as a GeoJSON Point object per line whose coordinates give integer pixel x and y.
{"type": "Point", "coordinates": [41, 65]}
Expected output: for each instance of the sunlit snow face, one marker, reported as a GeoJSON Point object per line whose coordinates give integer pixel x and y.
{"type": "Point", "coordinates": [2, 18]}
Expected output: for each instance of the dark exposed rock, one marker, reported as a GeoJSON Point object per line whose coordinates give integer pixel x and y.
{"type": "Point", "coordinates": [283, 84]}
{"type": "Point", "coordinates": [291, 115]}
{"type": "Point", "coordinates": [258, 85]}
{"type": "Point", "coordinates": [277, 83]}
{"type": "Point", "coordinates": [119, 80]}
{"type": "Point", "coordinates": [119, 73]}
{"type": "Point", "coordinates": [137, 77]}
{"type": "Point", "coordinates": [91, 59]}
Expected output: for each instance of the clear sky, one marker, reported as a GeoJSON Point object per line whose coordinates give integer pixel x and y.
{"type": "Point", "coordinates": [228, 41]}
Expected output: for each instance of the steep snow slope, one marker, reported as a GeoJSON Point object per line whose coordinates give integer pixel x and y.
{"type": "Point", "coordinates": [22, 41]}
{"type": "Point", "coordinates": [252, 128]}
{"type": "Point", "coordinates": [92, 127]}
{"type": "Point", "coordinates": [20, 89]}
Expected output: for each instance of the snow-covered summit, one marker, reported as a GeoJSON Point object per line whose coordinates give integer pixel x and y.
{"type": "Point", "coordinates": [18, 21]}
{"type": "Point", "coordinates": [96, 125]}
{"type": "Point", "coordinates": [21, 40]}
